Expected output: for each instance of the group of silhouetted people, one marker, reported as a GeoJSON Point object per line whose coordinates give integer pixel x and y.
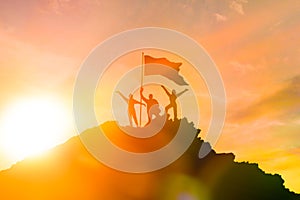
{"type": "Point", "coordinates": [151, 103]}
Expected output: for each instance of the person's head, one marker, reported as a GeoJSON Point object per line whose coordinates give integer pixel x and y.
{"type": "Point", "coordinates": [130, 95]}
{"type": "Point", "coordinates": [150, 96]}
{"type": "Point", "coordinates": [173, 92]}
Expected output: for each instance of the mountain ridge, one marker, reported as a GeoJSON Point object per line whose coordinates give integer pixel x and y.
{"type": "Point", "coordinates": [69, 171]}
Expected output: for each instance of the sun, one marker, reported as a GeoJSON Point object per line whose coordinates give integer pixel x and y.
{"type": "Point", "coordinates": [31, 126]}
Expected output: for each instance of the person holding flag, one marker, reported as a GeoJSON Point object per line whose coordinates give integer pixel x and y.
{"type": "Point", "coordinates": [131, 110]}
{"type": "Point", "coordinates": [162, 67]}
{"type": "Point", "coordinates": [151, 103]}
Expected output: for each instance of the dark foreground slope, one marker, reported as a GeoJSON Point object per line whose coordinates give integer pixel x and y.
{"type": "Point", "coordinates": [70, 172]}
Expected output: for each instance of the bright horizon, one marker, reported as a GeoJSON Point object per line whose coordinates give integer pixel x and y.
{"type": "Point", "coordinates": [254, 44]}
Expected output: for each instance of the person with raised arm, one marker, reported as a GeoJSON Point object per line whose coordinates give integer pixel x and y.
{"type": "Point", "coordinates": [131, 110]}
{"type": "Point", "coordinates": [172, 97]}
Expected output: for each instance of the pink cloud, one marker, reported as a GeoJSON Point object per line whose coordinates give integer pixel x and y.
{"type": "Point", "coordinates": [220, 18]}
{"type": "Point", "coordinates": [238, 6]}
{"type": "Point", "coordinates": [241, 67]}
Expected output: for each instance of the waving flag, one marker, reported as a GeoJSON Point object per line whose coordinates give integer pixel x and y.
{"type": "Point", "coordinates": [163, 67]}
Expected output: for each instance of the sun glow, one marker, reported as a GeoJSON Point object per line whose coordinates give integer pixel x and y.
{"type": "Point", "coordinates": [31, 126]}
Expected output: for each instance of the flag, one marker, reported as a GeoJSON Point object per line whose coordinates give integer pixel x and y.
{"type": "Point", "coordinates": [163, 67]}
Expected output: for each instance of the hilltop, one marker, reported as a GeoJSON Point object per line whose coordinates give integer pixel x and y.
{"type": "Point", "coordinates": [69, 171]}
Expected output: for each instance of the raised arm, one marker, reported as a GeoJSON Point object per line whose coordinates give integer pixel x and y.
{"type": "Point", "coordinates": [137, 102]}
{"type": "Point", "coordinates": [180, 93]}
{"type": "Point", "coordinates": [142, 96]}
{"type": "Point", "coordinates": [125, 98]}
{"type": "Point", "coordinates": [165, 89]}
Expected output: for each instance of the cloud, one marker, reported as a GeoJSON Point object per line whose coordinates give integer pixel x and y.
{"type": "Point", "coordinates": [57, 6]}
{"type": "Point", "coordinates": [297, 121]}
{"type": "Point", "coordinates": [240, 67]}
{"type": "Point", "coordinates": [33, 68]}
{"type": "Point", "coordinates": [220, 18]}
{"type": "Point", "coordinates": [238, 6]}
{"type": "Point", "coordinates": [283, 104]}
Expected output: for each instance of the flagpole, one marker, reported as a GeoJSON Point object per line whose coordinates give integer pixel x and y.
{"type": "Point", "coordinates": [142, 82]}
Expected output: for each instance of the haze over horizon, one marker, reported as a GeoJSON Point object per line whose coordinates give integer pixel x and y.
{"type": "Point", "coordinates": [254, 44]}
{"type": "Point", "coordinates": [69, 171]}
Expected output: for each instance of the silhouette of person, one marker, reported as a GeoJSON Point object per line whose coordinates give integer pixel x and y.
{"type": "Point", "coordinates": [131, 110]}
{"type": "Point", "coordinates": [172, 97]}
{"type": "Point", "coordinates": [150, 102]}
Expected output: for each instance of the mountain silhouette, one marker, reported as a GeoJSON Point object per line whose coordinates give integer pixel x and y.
{"type": "Point", "coordinates": [69, 171]}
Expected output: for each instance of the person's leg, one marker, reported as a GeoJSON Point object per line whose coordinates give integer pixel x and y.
{"type": "Point", "coordinates": [166, 111]}
{"type": "Point", "coordinates": [129, 117]}
{"type": "Point", "coordinates": [149, 117]}
{"type": "Point", "coordinates": [135, 119]}
{"type": "Point", "coordinates": [175, 112]}
{"type": "Point", "coordinates": [168, 107]}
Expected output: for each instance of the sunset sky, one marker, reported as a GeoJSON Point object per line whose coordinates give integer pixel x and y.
{"type": "Point", "coordinates": [255, 45]}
